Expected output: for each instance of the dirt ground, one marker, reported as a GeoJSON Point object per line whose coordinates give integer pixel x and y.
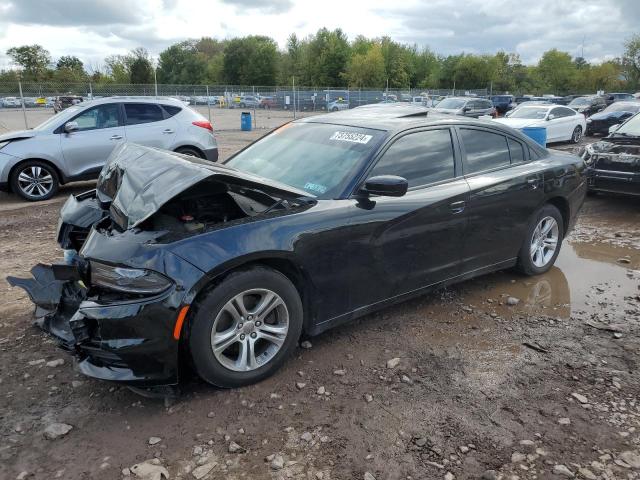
{"type": "Point", "coordinates": [482, 389]}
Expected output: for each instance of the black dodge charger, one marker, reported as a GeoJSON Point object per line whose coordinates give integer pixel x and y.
{"type": "Point", "coordinates": [174, 262]}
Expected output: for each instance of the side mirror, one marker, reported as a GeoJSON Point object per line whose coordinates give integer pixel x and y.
{"type": "Point", "coordinates": [613, 128]}
{"type": "Point", "coordinates": [551, 116]}
{"type": "Point", "coordinates": [386, 186]}
{"type": "Point", "coordinates": [466, 109]}
{"type": "Point", "coordinates": [71, 127]}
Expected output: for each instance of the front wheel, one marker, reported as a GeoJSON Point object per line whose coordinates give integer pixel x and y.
{"type": "Point", "coordinates": [542, 242]}
{"type": "Point", "coordinates": [35, 180]}
{"type": "Point", "coordinates": [245, 328]}
{"type": "Point", "coordinates": [576, 135]}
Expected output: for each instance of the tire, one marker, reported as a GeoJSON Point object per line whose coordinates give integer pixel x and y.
{"type": "Point", "coordinates": [35, 180]}
{"type": "Point", "coordinates": [576, 135]}
{"type": "Point", "coordinates": [235, 332]}
{"type": "Point", "coordinates": [192, 152]}
{"type": "Point", "coordinates": [532, 261]}
{"type": "Point", "coordinates": [334, 109]}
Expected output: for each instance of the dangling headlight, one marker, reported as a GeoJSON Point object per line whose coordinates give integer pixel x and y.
{"type": "Point", "coordinates": [128, 280]}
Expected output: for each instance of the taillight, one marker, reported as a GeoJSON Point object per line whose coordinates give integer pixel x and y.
{"type": "Point", "coordinates": [203, 124]}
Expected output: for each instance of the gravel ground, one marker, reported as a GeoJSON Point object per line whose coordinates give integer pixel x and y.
{"type": "Point", "coordinates": [466, 382]}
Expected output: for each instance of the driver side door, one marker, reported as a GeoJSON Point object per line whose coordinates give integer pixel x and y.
{"type": "Point", "coordinates": [100, 130]}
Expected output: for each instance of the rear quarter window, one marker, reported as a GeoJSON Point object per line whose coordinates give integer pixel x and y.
{"type": "Point", "coordinates": [171, 110]}
{"type": "Point", "coordinates": [485, 150]}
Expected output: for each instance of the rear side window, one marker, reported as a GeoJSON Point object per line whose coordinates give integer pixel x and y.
{"type": "Point", "coordinates": [421, 157]}
{"type": "Point", "coordinates": [485, 150]}
{"type": "Point", "coordinates": [142, 113]}
{"type": "Point", "coordinates": [516, 150]}
{"type": "Point", "coordinates": [171, 110]}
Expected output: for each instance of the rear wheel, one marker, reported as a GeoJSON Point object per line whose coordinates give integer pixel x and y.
{"type": "Point", "coordinates": [192, 152]}
{"type": "Point", "coordinates": [542, 242]}
{"type": "Point", "coordinates": [245, 328]}
{"type": "Point", "coordinates": [35, 180]}
{"type": "Point", "coordinates": [576, 135]}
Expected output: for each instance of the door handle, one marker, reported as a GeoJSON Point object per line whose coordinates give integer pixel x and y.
{"type": "Point", "coordinates": [115, 137]}
{"type": "Point", "coordinates": [533, 183]}
{"type": "Point", "coordinates": [167, 130]}
{"type": "Point", "coordinates": [458, 207]}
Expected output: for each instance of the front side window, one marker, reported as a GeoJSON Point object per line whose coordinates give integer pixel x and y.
{"type": "Point", "coordinates": [421, 158]}
{"type": "Point", "coordinates": [485, 150]}
{"type": "Point", "coordinates": [102, 116]}
{"type": "Point", "coordinates": [142, 113]}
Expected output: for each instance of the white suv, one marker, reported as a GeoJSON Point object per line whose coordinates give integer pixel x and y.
{"type": "Point", "coordinates": [75, 144]}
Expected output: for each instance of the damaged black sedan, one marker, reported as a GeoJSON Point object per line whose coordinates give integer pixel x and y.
{"type": "Point", "coordinates": [174, 262]}
{"type": "Point", "coordinates": [614, 162]}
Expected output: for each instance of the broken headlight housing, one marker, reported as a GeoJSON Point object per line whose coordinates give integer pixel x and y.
{"type": "Point", "coordinates": [128, 280]}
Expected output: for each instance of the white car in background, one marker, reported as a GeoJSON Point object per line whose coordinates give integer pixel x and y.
{"type": "Point", "coordinates": [562, 123]}
{"type": "Point", "coordinates": [75, 143]}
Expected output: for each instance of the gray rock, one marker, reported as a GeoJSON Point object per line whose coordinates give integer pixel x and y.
{"type": "Point", "coordinates": [203, 470]}
{"type": "Point", "coordinates": [154, 440]}
{"type": "Point", "coordinates": [56, 430]}
{"type": "Point", "coordinates": [33, 363]}
{"type": "Point", "coordinates": [563, 471]}
{"type": "Point", "coordinates": [55, 363]}
{"type": "Point", "coordinates": [306, 344]}
{"type": "Point", "coordinates": [340, 373]}
{"type": "Point", "coordinates": [490, 475]}
{"type": "Point", "coordinates": [449, 476]}
{"type": "Point", "coordinates": [235, 448]}
{"type": "Point", "coordinates": [463, 449]}
{"type": "Point", "coordinates": [564, 421]}
{"type": "Point", "coordinates": [393, 363]}
{"type": "Point", "coordinates": [581, 398]}
{"type": "Point", "coordinates": [586, 473]}
{"type": "Point", "coordinates": [306, 436]}
{"type": "Point", "coordinates": [513, 301]}
{"type": "Point", "coordinates": [150, 470]}
{"type": "Point", "coordinates": [300, 385]}
{"type": "Point", "coordinates": [277, 463]}
{"type": "Point", "coordinates": [368, 397]}
{"type": "Point", "coordinates": [369, 476]}
{"type": "Point", "coordinates": [22, 475]}
{"type": "Point", "coordinates": [406, 380]}
{"type": "Point", "coordinates": [420, 442]}
{"type": "Point", "coordinates": [631, 458]}
{"type": "Point", "coordinates": [321, 391]}
{"type": "Point", "coordinates": [517, 457]}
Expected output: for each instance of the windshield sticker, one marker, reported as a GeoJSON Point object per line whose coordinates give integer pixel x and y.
{"type": "Point", "coordinates": [351, 137]}
{"type": "Point", "coordinates": [314, 187]}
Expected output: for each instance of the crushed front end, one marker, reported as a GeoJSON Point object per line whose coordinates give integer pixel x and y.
{"type": "Point", "coordinates": [613, 165]}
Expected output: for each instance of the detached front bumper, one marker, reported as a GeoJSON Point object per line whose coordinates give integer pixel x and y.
{"type": "Point", "coordinates": [627, 183]}
{"type": "Point", "coordinates": [130, 342]}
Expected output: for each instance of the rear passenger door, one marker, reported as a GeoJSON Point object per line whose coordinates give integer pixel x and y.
{"type": "Point", "coordinates": [149, 124]}
{"type": "Point", "coordinates": [505, 189]}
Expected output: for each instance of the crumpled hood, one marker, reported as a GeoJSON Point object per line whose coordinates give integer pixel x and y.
{"type": "Point", "coordinates": [607, 115]}
{"type": "Point", "coordinates": [520, 122]}
{"type": "Point", "coordinates": [137, 181]}
{"type": "Point", "coordinates": [17, 135]}
{"type": "Point", "coordinates": [609, 154]}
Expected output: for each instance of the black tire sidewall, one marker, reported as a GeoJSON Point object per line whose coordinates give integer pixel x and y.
{"type": "Point", "coordinates": [573, 135]}
{"type": "Point", "coordinates": [189, 151]}
{"type": "Point", "coordinates": [204, 362]}
{"type": "Point", "coordinates": [525, 264]}
{"type": "Point", "coordinates": [15, 187]}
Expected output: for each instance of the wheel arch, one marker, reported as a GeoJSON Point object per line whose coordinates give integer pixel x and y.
{"type": "Point", "coordinates": [562, 204]}
{"type": "Point", "coordinates": [191, 147]}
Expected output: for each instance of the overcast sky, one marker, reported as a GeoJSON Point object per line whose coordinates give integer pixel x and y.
{"type": "Point", "coordinates": [92, 29]}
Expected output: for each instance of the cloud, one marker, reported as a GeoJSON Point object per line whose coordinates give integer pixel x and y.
{"type": "Point", "coordinates": [264, 6]}
{"type": "Point", "coordinates": [72, 12]}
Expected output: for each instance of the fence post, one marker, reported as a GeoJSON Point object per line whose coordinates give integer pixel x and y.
{"type": "Point", "coordinates": [293, 94]}
{"type": "Point", "coordinates": [90, 91]}
{"type": "Point", "coordinates": [24, 110]}
{"type": "Point", "coordinates": [208, 104]}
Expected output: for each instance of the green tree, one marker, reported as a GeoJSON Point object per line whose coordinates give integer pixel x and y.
{"type": "Point", "coordinates": [33, 59]}
{"type": "Point", "coordinates": [181, 63]}
{"type": "Point", "coordinates": [631, 62]}
{"type": "Point", "coordinates": [69, 69]}
{"type": "Point", "coordinates": [328, 55]}
{"type": "Point", "coordinates": [140, 68]}
{"type": "Point", "coordinates": [556, 71]}
{"type": "Point", "coordinates": [367, 69]}
{"type": "Point", "coordinates": [251, 60]}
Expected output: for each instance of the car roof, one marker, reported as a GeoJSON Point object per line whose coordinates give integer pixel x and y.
{"type": "Point", "coordinates": [394, 117]}
{"type": "Point", "coordinates": [164, 100]}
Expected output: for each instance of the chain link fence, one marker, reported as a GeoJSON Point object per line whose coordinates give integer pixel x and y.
{"type": "Point", "coordinates": [293, 99]}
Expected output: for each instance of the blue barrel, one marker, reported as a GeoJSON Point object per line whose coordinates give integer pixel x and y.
{"type": "Point", "coordinates": [245, 122]}
{"type": "Point", "coordinates": [537, 134]}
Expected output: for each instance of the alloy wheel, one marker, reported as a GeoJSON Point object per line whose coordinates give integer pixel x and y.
{"type": "Point", "coordinates": [250, 329]}
{"type": "Point", "coordinates": [544, 242]}
{"type": "Point", "coordinates": [35, 181]}
{"type": "Point", "coordinates": [577, 134]}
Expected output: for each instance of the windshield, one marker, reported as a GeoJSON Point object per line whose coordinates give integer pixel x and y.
{"type": "Point", "coordinates": [631, 127]}
{"type": "Point", "coordinates": [579, 101]}
{"type": "Point", "coordinates": [623, 107]}
{"type": "Point", "coordinates": [55, 119]}
{"type": "Point", "coordinates": [315, 157]}
{"type": "Point", "coordinates": [534, 113]}
{"type": "Point", "coordinates": [452, 103]}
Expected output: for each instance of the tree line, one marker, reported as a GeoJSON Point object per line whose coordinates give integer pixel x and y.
{"type": "Point", "coordinates": [329, 59]}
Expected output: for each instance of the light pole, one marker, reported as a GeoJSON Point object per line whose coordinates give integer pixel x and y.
{"type": "Point", "coordinates": [155, 78]}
